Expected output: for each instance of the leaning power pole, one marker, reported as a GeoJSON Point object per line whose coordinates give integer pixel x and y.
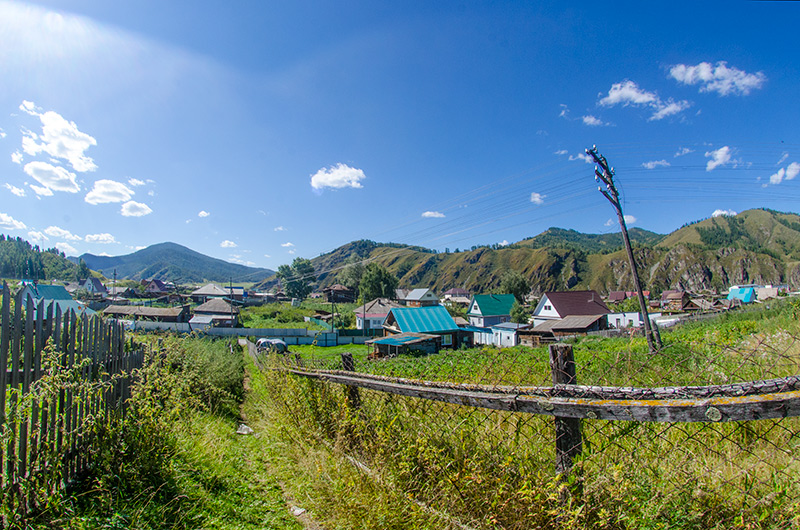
{"type": "Point", "coordinates": [611, 193]}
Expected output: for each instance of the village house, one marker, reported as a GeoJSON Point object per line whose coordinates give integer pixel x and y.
{"type": "Point", "coordinates": [505, 335]}
{"type": "Point", "coordinates": [208, 292]}
{"type": "Point", "coordinates": [675, 300]}
{"type": "Point", "coordinates": [216, 312]}
{"type": "Point", "coordinates": [430, 320]}
{"type": "Point", "coordinates": [745, 294]}
{"type": "Point", "coordinates": [93, 286]}
{"type": "Point", "coordinates": [156, 288]}
{"type": "Point", "coordinates": [486, 310]}
{"type": "Point", "coordinates": [339, 294]}
{"type": "Point", "coordinates": [55, 295]}
{"type": "Point", "coordinates": [372, 314]}
{"type": "Point", "coordinates": [153, 314]}
{"type": "Point", "coordinates": [419, 298]}
{"type": "Point", "coordinates": [558, 305]}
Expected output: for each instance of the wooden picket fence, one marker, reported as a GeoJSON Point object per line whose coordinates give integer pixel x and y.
{"type": "Point", "coordinates": [43, 432]}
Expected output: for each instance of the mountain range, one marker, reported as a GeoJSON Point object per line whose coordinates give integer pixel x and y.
{"type": "Point", "coordinates": [172, 262]}
{"type": "Point", "coordinates": [756, 246]}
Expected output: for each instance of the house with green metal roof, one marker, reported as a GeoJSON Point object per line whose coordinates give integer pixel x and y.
{"type": "Point", "coordinates": [431, 320]}
{"type": "Point", "coordinates": [55, 295]}
{"type": "Point", "coordinates": [487, 310]}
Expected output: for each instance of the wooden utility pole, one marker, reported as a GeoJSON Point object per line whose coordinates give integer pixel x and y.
{"type": "Point", "coordinates": [611, 193]}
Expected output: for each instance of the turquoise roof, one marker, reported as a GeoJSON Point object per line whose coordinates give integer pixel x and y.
{"type": "Point", "coordinates": [745, 294]}
{"type": "Point", "coordinates": [48, 292]}
{"type": "Point", "coordinates": [430, 319]}
{"type": "Point", "coordinates": [66, 306]}
{"type": "Point", "coordinates": [492, 304]}
{"type": "Point", "coordinates": [396, 340]}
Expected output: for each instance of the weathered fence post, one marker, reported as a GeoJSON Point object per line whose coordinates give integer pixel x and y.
{"type": "Point", "coordinates": [568, 430]}
{"type": "Point", "coordinates": [349, 365]}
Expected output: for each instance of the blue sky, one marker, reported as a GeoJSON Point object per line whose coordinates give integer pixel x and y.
{"type": "Point", "coordinates": [258, 131]}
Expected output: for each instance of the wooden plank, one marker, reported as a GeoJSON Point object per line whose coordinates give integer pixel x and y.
{"type": "Point", "coordinates": [353, 398]}
{"type": "Point", "coordinates": [720, 408]}
{"type": "Point", "coordinates": [569, 442]}
{"type": "Point", "coordinates": [26, 386]}
{"type": "Point", "coordinates": [5, 338]}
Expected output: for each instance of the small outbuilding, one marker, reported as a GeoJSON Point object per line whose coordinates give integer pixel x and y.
{"type": "Point", "coordinates": [405, 343]}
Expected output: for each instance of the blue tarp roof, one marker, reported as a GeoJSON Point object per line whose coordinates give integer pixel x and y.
{"type": "Point", "coordinates": [745, 294]}
{"type": "Point", "coordinates": [430, 319]}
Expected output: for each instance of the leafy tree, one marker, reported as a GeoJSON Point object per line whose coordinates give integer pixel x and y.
{"type": "Point", "coordinates": [83, 270]}
{"type": "Point", "coordinates": [519, 313]}
{"type": "Point", "coordinates": [515, 283]}
{"type": "Point", "coordinates": [377, 282]}
{"type": "Point", "coordinates": [297, 278]}
{"type": "Point", "coordinates": [351, 275]}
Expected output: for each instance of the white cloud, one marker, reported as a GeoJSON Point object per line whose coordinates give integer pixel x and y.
{"type": "Point", "coordinates": [683, 151]}
{"type": "Point", "coordinates": [267, 256]}
{"type": "Point", "coordinates": [537, 198]}
{"type": "Point", "coordinates": [719, 78]}
{"type": "Point", "coordinates": [561, 152]}
{"type": "Point", "coordinates": [592, 121]}
{"type": "Point", "coordinates": [57, 232]}
{"type": "Point", "coordinates": [16, 157]}
{"type": "Point", "coordinates": [151, 193]}
{"type": "Point", "coordinates": [2, 133]}
{"type": "Point", "coordinates": [720, 157]}
{"type": "Point", "coordinates": [788, 173]}
{"type": "Point", "coordinates": [668, 108]}
{"type": "Point", "coordinates": [792, 170]}
{"type": "Point", "coordinates": [287, 244]}
{"type": "Point", "coordinates": [629, 219]}
{"type": "Point", "coordinates": [718, 213]}
{"type": "Point", "coordinates": [291, 252]}
{"type": "Point", "coordinates": [504, 243]}
{"type": "Point", "coordinates": [338, 176]}
{"type": "Point", "coordinates": [628, 93]}
{"type": "Point", "coordinates": [582, 156]}
{"type": "Point", "coordinates": [777, 178]}
{"type": "Point", "coordinates": [103, 239]}
{"type": "Point", "coordinates": [41, 191]}
{"type": "Point", "coordinates": [60, 139]}
{"type": "Point", "coordinates": [66, 248]}
{"type": "Point", "coordinates": [37, 237]}
{"type": "Point", "coordinates": [19, 192]}
{"type": "Point", "coordinates": [432, 214]}
{"type": "Point", "coordinates": [52, 177]}
{"type": "Point", "coordinates": [564, 111]}
{"type": "Point", "coordinates": [135, 182]}
{"type": "Point", "coordinates": [105, 191]}
{"type": "Point", "coordinates": [9, 223]}
{"type": "Point", "coordinates": [783, 158]}
{"type": "Point", "coordinates": [135, 209]}
{"type": "Point", "coordinates": [655, 163]}
{"type": "Point", "coordinates": [203, 213]}
{"type": "Point", "coordinates": [228, 244]}
{"type": "Point", "coordinates": [30, 108]}
{"type": "Point", "coordinates": [279, 229]}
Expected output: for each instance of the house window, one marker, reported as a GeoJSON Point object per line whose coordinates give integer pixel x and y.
{"type": "Point", "coordinates": [447, 340]}
{"type": "Point", "coordinates": [547, 308]}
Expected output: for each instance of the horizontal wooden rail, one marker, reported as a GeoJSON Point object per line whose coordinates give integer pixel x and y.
{"type": "Point", "coordinates": [774, 398]}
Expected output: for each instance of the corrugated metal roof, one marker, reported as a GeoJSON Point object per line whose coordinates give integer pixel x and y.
{"type": "Point", "coordinates": [576, 322]}
{"type": "Point", "coordinates": [402, 339]}
{"type": "Point", "coordinates": [416, 294]}
{"type": "Point", "coordinates": [423, 319]}
{"type": "Point", "coordinates": [568, 303]}
{"type": "Point", "coordinates": [493, 304]}
{"type": "Point", "coordinates": [48, 292]}
{"type": "Point", "coordinates": [510, 325]}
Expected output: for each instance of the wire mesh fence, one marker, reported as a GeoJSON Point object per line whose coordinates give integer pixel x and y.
{"type": "Point", "coordinates": [711, 438]}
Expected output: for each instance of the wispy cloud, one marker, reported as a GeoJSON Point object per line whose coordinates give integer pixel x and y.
{"type": "Point", "coordinates": [628, 93]}
{"type": "Point", "coordinates": [106, 191]}
{"type": "Point", "coordinates": [564, 111]}
{"type": "Point", "coordinates": [279, 229]}
{"type": "Point", "coordinates": [19, 192]}
{"type": "Point", "coordinates": [718, 213]}
{"type": "Point", "coordinates": [593, 121]}
{"type": "Point", "coordinates": [60, 233]}
{"type": "Point", "coordinates": [54, 178]}
{"type": "Point", "coordinates": [135, 209]}
{"type": "Point", "coordinates": [9, 223]}
{"type": "Point", "coordinates": [582, 156]}
{"type": "Point", "coordinates": [430, 214]}
{"type": "Point", "coordinates": [782, 159]}
{"type": "Point", "coordinates": [682, 151]}
{"type": "Point", "coordinates": [561, 152]}
{"type": "Point", "coordinates": [629, 220]}
{"type": "Point", "coordinates": [104, 238]}
{"type": "Point", "coordinates": [720, 157]}
{"type": "Point", "coordinates": [337, 177]}
{"type": "Point", "coordinates": [537, 198]}
{"type": "Point", "coordinates": [287, 244]}
{"type": "Point", "coordinates": [59, 139]}
{"type": "Point", "coordinates": [228, 244]}
{"type": "Point", "coordinates": [655, 163]}
{"type": "Point", "coordinates": [136, 182]}
{"type": "Point", "coordinates": [720, 78]}
{"type": "Point", "coordinates": [203, 213]}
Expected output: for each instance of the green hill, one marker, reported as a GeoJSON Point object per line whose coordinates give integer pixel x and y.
{"type": "Point", "coordinates": [19, 259]}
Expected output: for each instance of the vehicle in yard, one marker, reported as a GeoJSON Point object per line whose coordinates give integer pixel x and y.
{"type": "Point", "coordinates": [272, 345]}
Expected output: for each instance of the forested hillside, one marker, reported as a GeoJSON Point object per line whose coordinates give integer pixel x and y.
{"type": "Point", "coordinates": [19, 259]}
